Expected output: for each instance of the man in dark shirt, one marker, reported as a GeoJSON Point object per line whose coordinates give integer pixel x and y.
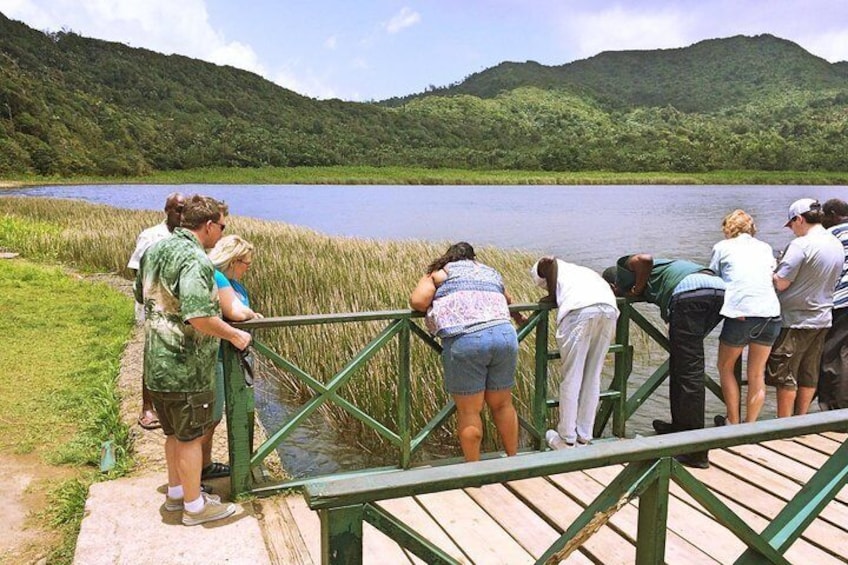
{"type": "Point", "coordinates": [690, 297]}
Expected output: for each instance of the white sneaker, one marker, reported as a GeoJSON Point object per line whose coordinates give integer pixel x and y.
{"type": "Point", "coordinates": [554, 440]}
{"type": "Point", "coordinates": [213, 509]}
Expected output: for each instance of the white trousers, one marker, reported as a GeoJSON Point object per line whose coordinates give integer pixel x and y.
{"type": "Point", "coordinates": [583, 337]}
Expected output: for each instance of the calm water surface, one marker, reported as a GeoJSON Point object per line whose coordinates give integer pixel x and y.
{"type": "Point", "coordinates": [588, 225]}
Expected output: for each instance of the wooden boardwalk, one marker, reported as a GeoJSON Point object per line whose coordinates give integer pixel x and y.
{"type": "Point", "coordinates": [516, 522]}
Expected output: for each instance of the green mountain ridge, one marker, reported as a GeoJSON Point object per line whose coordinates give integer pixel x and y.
{"type": "Point", "coordinates": [692, 79]}
{"type": "Point", "coordinates": [73, 105]}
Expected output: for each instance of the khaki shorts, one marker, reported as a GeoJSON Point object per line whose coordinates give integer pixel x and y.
{"type": "Point", "coordinates": [795, 358]}
{"type": "Point", "coordinates": [187, 415]}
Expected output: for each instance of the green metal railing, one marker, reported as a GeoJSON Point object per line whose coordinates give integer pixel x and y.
{"type": "Point", "coordinates": [401, 328]}
{"type": "Point", "coordinates": [345, 503]}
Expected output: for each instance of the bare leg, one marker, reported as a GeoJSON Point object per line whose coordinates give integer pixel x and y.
{"type": "Point", "coordinates": [785, 401]}
{"type": "Point", "coordinates": [469, 424]}
{"type": "Point", "coordinates": [727, 356]}
{"type": "Point", "coordinates": [207, 444]}
{"type": "Point", "coordinates": [189, 457]}
{"type": "Point", "coordinates": [803, 399]}
{"type": "Point", "coordinates": [505, 418]}
{"type": "Point", "coordinates": [171, 461]}
{"type": "Point", "coordinates": [757, 357]}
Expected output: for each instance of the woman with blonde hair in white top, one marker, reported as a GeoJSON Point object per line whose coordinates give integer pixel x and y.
{"type": "Point", "coordinates": [751, 311]}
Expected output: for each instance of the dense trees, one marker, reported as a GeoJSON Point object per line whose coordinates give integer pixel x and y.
{"type": "Point", "coordinates": [71, 105]}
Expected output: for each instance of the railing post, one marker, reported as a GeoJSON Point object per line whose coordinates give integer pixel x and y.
{"type": "Point", "coordinates": [341, 535]}
{"type": "Point", "coordinates": [653, 516]}
{"type": "Point", "coordinates": [239, 412]}
{"type": "Point", "coordinates": [540, 396]}
{"type": "Point", "coordinates": [621, 372]}
{"type": "Point", "coordinates": [404, 396]}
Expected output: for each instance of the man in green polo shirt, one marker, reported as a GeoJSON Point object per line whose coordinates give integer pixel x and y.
{"type": "Point", "coordinates": [182, 329]}
{"type": "Point", "coordinates": [690, 297]}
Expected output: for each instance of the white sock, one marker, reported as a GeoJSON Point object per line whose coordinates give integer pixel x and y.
{"type": "Point", "coordinates": [195, 505]}
{"type": "Point", "coordinates": [175, 492]}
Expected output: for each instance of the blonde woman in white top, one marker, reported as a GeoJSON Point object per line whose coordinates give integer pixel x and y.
{"type": "Point", "coordinates": [751, 311]}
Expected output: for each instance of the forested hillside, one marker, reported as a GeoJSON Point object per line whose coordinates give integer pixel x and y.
{"type": "Point", "coordinates": [72, 105]}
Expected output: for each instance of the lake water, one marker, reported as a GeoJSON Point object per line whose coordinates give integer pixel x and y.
{"type": "Point", "coordinates": [588, 225]}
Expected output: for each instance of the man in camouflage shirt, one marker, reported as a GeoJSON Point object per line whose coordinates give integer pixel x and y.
{"type": "Point", "coordinates": [182, 328]}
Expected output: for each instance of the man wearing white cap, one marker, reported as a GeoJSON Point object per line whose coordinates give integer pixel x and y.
{"type": "Point", "coordinates": [805, 279]}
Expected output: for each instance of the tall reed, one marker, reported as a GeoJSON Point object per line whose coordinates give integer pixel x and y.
{"type": "Point", "coordinates": [295, 271]}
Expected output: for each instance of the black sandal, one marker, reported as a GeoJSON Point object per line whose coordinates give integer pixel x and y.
{"type": "Point", "coordinates": [215, 470]}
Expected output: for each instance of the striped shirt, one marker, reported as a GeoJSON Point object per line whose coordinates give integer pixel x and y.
{"type": "Point", "coordinates": [840, 297]}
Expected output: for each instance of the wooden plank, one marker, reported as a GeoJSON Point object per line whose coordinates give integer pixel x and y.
{"type": "Point", "coordinates": [836, 513]}
{"type": "Point", "coordinates": [375, 544]}
{"type": "Point", "coordinates": [585, 487]}
{"type": "Point", "coordinates": [690, 523]}
{"type": "Point", "coordinates": [605, 546]}
{"type": "Point", "coordinates": [528, 528]}
{"type": "Point", "coordinates": [798, 452]}
{"type": "Point", "coordinates": [282, 537]}
{"type": "Point", "coordinates": [782, 464]}
{"type": "Point", "coordinates": [801, 551]}
{"type": "Point", "coordinates": [308, 523]}
{"type": "Point", "coordinates": [767, 505]}
{"type": "Point", "coordinates": [836, 436]}
{"type": "Point", "coordinates": [819, 442]}
{"type": "Point", "coordinates": [408, 511]}
{"type": "Point", "coordinates": [480, 537]}
{"type": "Point", "coordinates": [378, 548]}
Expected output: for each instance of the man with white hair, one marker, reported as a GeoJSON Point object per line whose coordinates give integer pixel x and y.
{"type": "Point", "coordinates": [805, 280]}
{"type": "Point", "coordinates": [174, 204]}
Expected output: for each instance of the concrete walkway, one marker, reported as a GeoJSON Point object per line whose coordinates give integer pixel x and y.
{"type": "Point", "coordinates": [125, 523]}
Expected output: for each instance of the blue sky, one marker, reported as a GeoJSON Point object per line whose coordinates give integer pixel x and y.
{"type": "Point", "coordinates": [375, 49]}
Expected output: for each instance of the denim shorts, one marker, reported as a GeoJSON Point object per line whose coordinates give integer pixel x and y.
{"type": "Point", "coordinates": [481, 360]}
{"type": "Point", "coordinates": [738, 333]}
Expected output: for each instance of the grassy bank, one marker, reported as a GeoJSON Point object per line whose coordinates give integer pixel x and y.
{"type": "Point", "coordinates": [62, 341]}
{"type": "Point", "coordinates": [422, 176]}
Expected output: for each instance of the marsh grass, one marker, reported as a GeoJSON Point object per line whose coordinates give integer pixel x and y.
{"type": "Point", "coordinates": [298, 271]}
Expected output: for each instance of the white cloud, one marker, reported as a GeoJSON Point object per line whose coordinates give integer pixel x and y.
{"type": "Point", "coordinates": [617, 29]}
{"type": "Point", "coordinates": [402, 20]}
{"type": "Point", "coordinates": [330, 42]}
{"type": "Point", "coordinates": [160, 25]}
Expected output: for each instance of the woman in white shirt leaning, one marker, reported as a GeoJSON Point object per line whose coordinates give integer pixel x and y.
{"type": "Point", "coordinates": [751, 311]}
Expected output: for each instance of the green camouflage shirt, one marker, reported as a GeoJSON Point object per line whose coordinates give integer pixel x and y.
{"type": "Point", "coordinates": [175, 282]}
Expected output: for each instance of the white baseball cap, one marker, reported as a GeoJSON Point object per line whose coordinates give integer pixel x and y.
{"type": "Point", "coordinates": [800, 207]}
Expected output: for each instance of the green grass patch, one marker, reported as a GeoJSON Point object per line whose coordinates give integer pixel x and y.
{"type": "Point", "coordinates": [58, 395]}
{"type": "Point", "coordinates": [426, 176]}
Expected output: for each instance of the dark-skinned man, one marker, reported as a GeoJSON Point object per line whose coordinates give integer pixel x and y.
{"type": "Point", "coordinates": [690, 297]}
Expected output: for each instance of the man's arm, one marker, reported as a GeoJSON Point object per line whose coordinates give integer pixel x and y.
{"type": "Point", "coordinates": [780, 284]}
{"type": "Point", "coordinates": [787, 268]}
{"type": "Point", "coordinates": [641, 265]}
{"type": "Point", "coordinates": [216, 327]}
